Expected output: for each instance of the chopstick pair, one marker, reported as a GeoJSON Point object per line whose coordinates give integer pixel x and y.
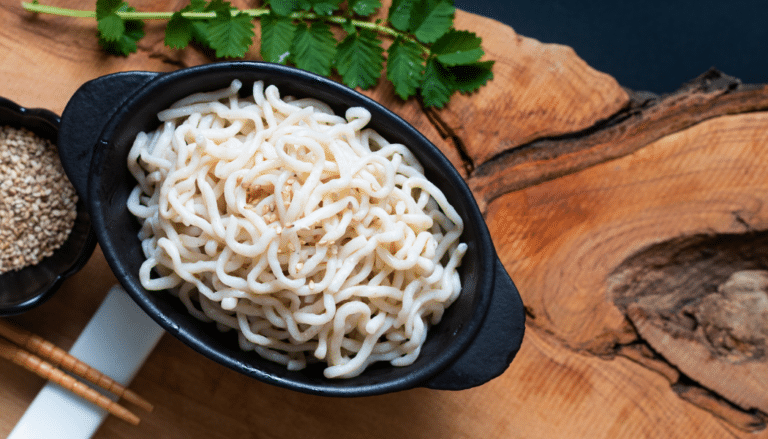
{"type": "Point", "coordinates": [58, 358]}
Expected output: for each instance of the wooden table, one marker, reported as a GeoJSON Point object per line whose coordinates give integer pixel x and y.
{"type": "Point", "coordinates": [618, 215]}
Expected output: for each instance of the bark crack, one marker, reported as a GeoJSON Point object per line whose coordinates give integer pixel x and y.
{"type": "Point", "coordinates": [699, 307]}
{"type": "Point", "coordinates": [645, 119]}
{"type": "Point", "coordinates": [447, 133]}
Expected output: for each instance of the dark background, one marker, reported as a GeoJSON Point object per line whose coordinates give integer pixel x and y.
{"type": "Point", "coordinates": [651, 45]}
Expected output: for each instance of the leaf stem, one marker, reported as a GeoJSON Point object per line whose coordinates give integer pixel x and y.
{"type": "Point", "coordinates": [65, 12]}
{"type": "Point", "coordinates": [255, 13]}
{"type": "Point", "coordinates": [125, 15]}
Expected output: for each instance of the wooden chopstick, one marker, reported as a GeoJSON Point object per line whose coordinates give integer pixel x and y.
{"type": "Point", "coordinates": [50, 372]}
{"type": "Point", "coordinates": [60, 358]}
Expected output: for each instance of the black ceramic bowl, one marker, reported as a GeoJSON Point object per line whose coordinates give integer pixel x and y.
{"type": "Point", "coordinates": [26, 288]}
{"type": "Point", "coordinates": [479, 334]}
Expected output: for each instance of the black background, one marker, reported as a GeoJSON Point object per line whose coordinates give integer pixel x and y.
{"type": "Point", "coordinates": [651, 45]}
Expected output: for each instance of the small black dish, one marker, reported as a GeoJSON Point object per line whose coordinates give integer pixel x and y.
{"type": "Point", "coordinates": [479, 334]}
{"type": "Point", "coordinates": [29, 287]}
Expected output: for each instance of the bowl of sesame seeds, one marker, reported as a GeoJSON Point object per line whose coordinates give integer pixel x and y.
{"type": "Point", "coordinates": [45, 230]}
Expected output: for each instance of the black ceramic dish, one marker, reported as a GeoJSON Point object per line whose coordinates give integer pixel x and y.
{"type": "Point", "coordinates": [26, 288]}
{"type": "Point", "coordinates": [479, 334]}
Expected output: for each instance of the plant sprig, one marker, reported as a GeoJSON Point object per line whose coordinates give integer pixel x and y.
{"type": "Point", "coordinates": [427, 56]}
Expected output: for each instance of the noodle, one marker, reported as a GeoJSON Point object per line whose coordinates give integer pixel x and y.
{"type": "Point", "coordinates": [309, 234]}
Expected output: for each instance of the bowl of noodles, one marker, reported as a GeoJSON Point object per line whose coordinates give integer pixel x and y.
{"type": "Point", "coordinates": [291, 229]}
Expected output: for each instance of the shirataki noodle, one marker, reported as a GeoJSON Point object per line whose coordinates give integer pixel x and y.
{"type": "Point", "coordinates": [311, 235]}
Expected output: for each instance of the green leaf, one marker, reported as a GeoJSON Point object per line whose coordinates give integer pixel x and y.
{"type": "Point", "coordinates": [437, 87]}
{"type": "Point", "coordinates": [400, 14]}
{"type": "Point", "coordinates": [287, 7]}
{"type": "Point", "coordinates": [200, 32]}
{"type": "Point", "coordinates": [457, 47]}
{"type": "Point", "coordinates": [405, 67]}
{"type": "Point", "coordinates": [220, 7]}
{"type": "Point", "coordinates": [195, 6]}
{"type": "Point", "coordinates": [229, 35]}
{"type": "Point", "coordinates": [431, 19]}
{"type": "Point", "coordinates": [117, 36]}
{"type": "Point", "coordinates": [181, 30]}
{"type": "Point", "coordinates": [198, 29]}
{"type": "Point", "coordinates": [314, 48]}
{"type": "Point", "coordinates": [276, 37]}
{"type": "Point", "coordinates": [178, 31]}
{"type": "Point", "coordinates": [110, 26]}
{"type": "Point", "coordinates": [126, 44]}
{"type": "Point", "coordinates": [107, 7]}
{"type": "Point", "coordinates": [364, 8]}
{"type": "Point", "coordinates": [325, 7]}
{"type": "Point", "coordinates": [359, 59]}
{"type": "Point", "coordinates": [470, 77]}
{"type": "Point", "coordinates": [441, 81]}
{"type": "Point", "coordinates": [348, 26]}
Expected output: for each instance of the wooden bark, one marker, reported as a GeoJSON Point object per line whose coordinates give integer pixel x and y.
{"type": "Point", "coordinates": [620, 216]}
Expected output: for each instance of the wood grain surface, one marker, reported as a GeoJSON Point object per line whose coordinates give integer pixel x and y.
{"type": "Point", "coordinates": [621, 216]}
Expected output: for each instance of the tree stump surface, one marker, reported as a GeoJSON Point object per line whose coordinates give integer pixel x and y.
{"type": "Point", "coordinates": [634, 225]}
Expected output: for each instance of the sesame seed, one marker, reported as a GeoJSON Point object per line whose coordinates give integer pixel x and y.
{"type": "Point", "coordinates": [38, 204]}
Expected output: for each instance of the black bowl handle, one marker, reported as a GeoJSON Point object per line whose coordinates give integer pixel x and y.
{"type": "Point", "coordinates": [495, 346]}
{"type": "Point", "coordinates": [86, 115]}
